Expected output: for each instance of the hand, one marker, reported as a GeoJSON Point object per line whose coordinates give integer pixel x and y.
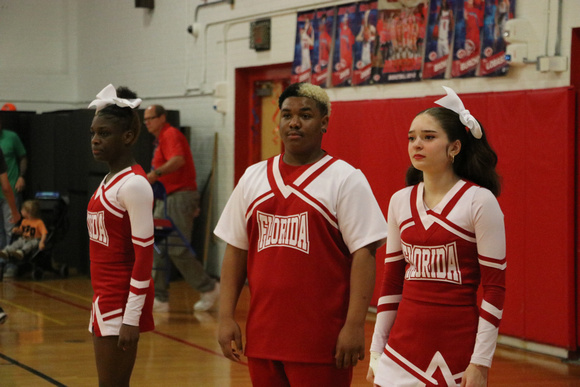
{"type": "Point", "coordinates": [475, 376]}
{"type": "Point", "coordinates": [370, 375]}
{"type": "Point", "coordinates": [151, 177]}
{"type": "Point", "coordinates": [230, 339]}
{"type": "Point", "coordinates": [375, 356]}
{"type": "Point", "coordinates": [20, 184]}
{"type": "Point", "coordinates": [15, 217]}
{"type": "Point", "coordinates": [128, 337]}
{"type": "Point", "coordinates": [350, 346]}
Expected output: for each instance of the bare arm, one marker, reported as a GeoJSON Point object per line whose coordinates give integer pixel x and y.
{"type": "Point", "coordinates": [351, 339]}
{"type": "Point", "coordinates": [9, 195]}
{"type": "Point", "coordinates": [42, 242]}
{"type": "Point", "coordinates": [20, 183]}
{"type": "Point", "coordinates": [170, 166]}
{"type": "Point", "coordinates": [233, 278]}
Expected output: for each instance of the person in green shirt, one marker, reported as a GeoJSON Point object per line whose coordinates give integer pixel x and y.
{"type": "Point", "coordinates": [16, 162]}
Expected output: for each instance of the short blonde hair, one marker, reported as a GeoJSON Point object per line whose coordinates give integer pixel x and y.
{"type": "Point", "coordinates": [307, 90]}
{"type": "Point", "coordinates": [32, 207]}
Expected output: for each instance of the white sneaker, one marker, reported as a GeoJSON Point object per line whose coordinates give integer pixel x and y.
{"type": "Point", "coordinates": [208, 299]}
{"type": "Point", "coordinates": [160, 306]}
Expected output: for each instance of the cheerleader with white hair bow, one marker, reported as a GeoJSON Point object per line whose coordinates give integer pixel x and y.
{"type": "Point", "coordinates": [120, 226]}
{"type": "Point", "coordinates": [446, 237]}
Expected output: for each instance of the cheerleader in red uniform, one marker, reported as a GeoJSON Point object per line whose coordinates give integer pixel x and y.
{"type": "Point", "coordinates": [446, 237]}
{"type": "Point", "coordinates": [120, 225]}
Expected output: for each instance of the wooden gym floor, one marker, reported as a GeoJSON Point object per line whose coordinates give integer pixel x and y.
{"type": "Point", "coordinates": [45, 342]}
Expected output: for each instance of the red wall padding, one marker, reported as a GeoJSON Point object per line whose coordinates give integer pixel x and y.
{"type": "Point", "coordinates": [533, 134]}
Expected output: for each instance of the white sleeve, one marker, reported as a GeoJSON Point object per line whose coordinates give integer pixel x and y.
{"type": "Point", "coordinates": [232, 225]}
{"type": "Point", "coordinates": [491, 248]}
{"type": "Point", "coordinates": [136, 196]}
{"type": "Point", "coordinates": [360, 219]}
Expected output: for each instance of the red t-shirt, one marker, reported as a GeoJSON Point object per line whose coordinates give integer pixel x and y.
{"type": "Point", "coordinates": [170, 143]}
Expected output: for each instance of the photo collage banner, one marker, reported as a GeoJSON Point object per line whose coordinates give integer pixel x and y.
{"type": "Point", "coordinates": [387, 41]}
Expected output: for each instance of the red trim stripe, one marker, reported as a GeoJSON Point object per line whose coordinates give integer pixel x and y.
{"type": "Point", "coordinates": [317, 173]}
{"type": "Point", "coordinates": [489, 318]}
{"type": "Point", "coordinates": [405, 222]}
{"type": "Point", "coordinates": [387, 307]}
{"type": "Point", "coordinates": [407, 368]}
{"type": "Point", "coordinates": [251, 206]}
{"type": "Point", "coordinates": [139, 291]}
{"type": "Point", "coordinates": [492, 260]}
{"type": "Point", "coordinates": [452, 225]}
{"type": "Point", "coordinates": [395, 254]}
{"type": "Point", "coordinates": [116, 179]}
{"type": "Point", "coordinates": [113, 316]}
{"type": "Point", "coordinates": [456, 198]}
{"type": "Point", "coordinates": [326, 211]}
{"type": "Point", "coordinates": [143, 240]}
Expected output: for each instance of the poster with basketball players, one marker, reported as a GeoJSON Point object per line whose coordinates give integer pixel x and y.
{"type": "Point", "coordinates": [496, 14]}
{"type": "Point", "coordinates": [401, 29]}
{"type": "Point", "coordinates": [344, 40]}
{"type": "Point", "coordinates": [467, 41]}
{"type": "Point", "coordinates": [323, 23]}
{"type": "Point", "coordinates": [439, 38]}
{"type": "Point", "coordinates": [365, 41]}
{"type": "Point", "coordinates": [302, 65]}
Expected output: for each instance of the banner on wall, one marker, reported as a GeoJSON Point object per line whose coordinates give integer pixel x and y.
{"type": "Point", "coordinates": [401, 34]}
{"type": "Point", "coordinates": [365, 42]}
{"type": "Point", "coordinates": [344, 39]}
{"type": "Point", "coordinates": [386, 41]}
{"type": "Point", "coordinates": [467, 40]}
{"type": "Point", "coordinates": [304, 45]}
{"type": "Point", "coordinates": [439, 38]}
{"type": "Point", "coordinates": [496, 14]}
{"type": "Point", "coordinates": [321, 58]}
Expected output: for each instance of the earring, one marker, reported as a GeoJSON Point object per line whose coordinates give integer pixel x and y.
{"type": "Point", "coordinates": [452, 158]}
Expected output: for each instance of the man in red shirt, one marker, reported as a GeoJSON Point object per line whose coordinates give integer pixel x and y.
{"type": "Point", "coordinates": [173, 166]}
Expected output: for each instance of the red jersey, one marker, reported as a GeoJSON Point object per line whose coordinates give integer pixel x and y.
{"type": "Point", "coordinates": [300, 227]}
{"type": "Point", "coordinates": [346, 42]}
{"type": "Point", "coordinates": [324, 47]}
{"type": "Point", "coordinates": [170, 143]}
{"type": "Point", "coordinates": [428, 324]}
{"type": "Point", "coordinates": [120, 225]}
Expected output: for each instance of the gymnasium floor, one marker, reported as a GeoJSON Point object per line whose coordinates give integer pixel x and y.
{"type": "Point", "coordinates": [45, 342]}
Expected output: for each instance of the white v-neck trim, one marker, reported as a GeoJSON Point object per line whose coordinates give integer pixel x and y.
{"type": "Point", "coordinates": [426, 219]}
{"type": "Point", "coordinates": [285, 189]}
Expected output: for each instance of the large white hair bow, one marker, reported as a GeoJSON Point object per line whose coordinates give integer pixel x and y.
{"type": "Point", "coordinates": [452, 102]}
{"type": "Point", "coordinates": [108, 96]}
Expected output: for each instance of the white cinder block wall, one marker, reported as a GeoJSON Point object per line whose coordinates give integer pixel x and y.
{"type": "Point", "coordinates": [57, 54]}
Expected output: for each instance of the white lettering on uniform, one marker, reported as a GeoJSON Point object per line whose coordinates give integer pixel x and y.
{"type": "Point", "coordinates": [436, 263]}
{"type": "Point", "coordinates": [283, 231]}
{"type": "Point", "coordinates": [96, 227]}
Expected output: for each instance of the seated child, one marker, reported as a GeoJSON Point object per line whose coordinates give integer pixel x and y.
{"type": "Point", "coordinates": [32, 233]}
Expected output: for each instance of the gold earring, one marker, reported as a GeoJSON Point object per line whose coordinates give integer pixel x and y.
{"type": "Point", "coordinates": [452, 158]}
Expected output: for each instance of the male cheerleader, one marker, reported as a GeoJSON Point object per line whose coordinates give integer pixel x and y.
{"type": "Point", "coordinates": [303, 227]}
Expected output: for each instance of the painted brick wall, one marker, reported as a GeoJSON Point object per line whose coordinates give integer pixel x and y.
{"type": "Point", "coordinates": [58, 54]}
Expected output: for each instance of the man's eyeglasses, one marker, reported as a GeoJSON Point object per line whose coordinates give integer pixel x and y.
{"type": "Point", "coordinates": [149, 118]}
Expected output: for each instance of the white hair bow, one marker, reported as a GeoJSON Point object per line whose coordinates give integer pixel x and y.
{"type": "Point", "coordinates": [452, 102]}
{"type": "Point", "coordinates": [108, 96]}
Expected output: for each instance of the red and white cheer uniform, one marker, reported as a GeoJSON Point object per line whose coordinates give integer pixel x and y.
{"type": "Point", "coordinates": [428, 325]}
{"type": "Point", "coordinates": [120, 224]}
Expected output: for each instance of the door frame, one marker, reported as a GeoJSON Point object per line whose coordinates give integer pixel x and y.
{"type": "Point", "coordinates": [575, 82]}
{"type": "Point", "coordinates": [248, 141]}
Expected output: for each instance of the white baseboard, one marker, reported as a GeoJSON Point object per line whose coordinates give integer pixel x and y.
{"type": "Point", "coordinates": [533, 347]}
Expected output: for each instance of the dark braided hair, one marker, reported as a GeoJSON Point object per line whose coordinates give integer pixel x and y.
{"type": "Point", "coordinates": [475, 162]}
{"type": "Point", "coordinates": [124, 117]}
